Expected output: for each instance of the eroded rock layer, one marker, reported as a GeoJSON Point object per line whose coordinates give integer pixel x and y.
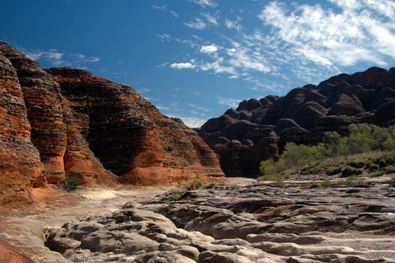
{"type": "Point", "coordinates": [227, 223]}
{"type": "Point", "coordinates": [262, 127]}
{"type": "Point", "coordinates": [69, 122]}
{"type": "Point", "coordinates": [129, 135]}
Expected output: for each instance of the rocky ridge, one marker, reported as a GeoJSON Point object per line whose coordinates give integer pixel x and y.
{"type": "Point", "coordinates": [259, 129]}
{"type": "Point", "coordinates": [68, 122]}
{"type": "Point", "coordinates": [231, 223]}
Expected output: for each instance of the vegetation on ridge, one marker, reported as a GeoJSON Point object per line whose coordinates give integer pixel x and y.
{"type": "Point", "coordinates": [368, 147]}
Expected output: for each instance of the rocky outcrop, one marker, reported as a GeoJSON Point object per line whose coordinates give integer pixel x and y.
{"type": "Point", "coordinates": [67, 122]}
{"type": "Point", "coordinates": [19, 159]}
{"type": "Point", "coordinates": [302, 116]}
{"type": "Point", "coordinates": [228, 223]}
{"type": "Point", "coordinates": [129, 135]}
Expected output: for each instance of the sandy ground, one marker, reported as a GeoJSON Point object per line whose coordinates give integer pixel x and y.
{"type": "Point", "coordinates": [23, 231]}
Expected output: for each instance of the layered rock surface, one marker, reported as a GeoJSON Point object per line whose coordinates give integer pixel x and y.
{"type": "Point", "coordinates": [259, 129]}
{"type": "Point", "coordinates": [228, 223]}
{"type": "Point", "coordinates": [67, 121]}
{"type": "Point", "coordinates": [129, 135]}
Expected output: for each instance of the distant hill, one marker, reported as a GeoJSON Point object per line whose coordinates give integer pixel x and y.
{"type": "Point", "coordinates": [259, 129]}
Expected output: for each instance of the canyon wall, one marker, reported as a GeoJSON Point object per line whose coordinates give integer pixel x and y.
{"type": "Point", "coordinates": [66, 122]}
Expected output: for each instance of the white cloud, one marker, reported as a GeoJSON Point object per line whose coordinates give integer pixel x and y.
{"type": "Point", "coordinates": [205, 3]}
{"type": "Point", "coordinates": [164, 37]}
{"type": "Point", "coordinates": [296, 43]}
{"type": "Point", "coordinates": [182, 65]}
{"type": "Point", "coordinates": [211, 19]}
{"type": "Point", "coordinates": [57, 58]}
{"type": "Point", "coordinates": [233, 24]}
{"type": "Point", "coordinates": [197, 23]}
{"type": "Point", "coordinates": [247, 59]}
{"type": "Point", "coordinates": [219, 67]}
{"type": "Point", "coordinates": [192, 122]}
{"type": "Point", "coordinates": [80, 58]}
{"type": "Point", "coordinates": [52, 56]}
{"type": "Point", "coordinates": [229, 102]}
{"type": "Point", "coordinates": [165, 9]}
{"type": "Point", "coordinates": [362, 31]}
{"type": "Point", "coordinates": [208, 49]}
{"type": "Point", "coordinates": [204, 21]}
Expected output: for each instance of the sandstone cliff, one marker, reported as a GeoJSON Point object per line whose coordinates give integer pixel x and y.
{"type": "Point", "coordinates": [259, 129]}
{"type": "Point", "coordinates": [68, 122]}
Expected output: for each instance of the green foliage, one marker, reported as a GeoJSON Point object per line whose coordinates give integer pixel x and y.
{"type": "Point", "coordinates": [350, 171]}
{"type": "Point", "coordinates": [353, 181]}
{"type": "Point", "coordinates": [362, 138]}
{"type": "Point", "coordinates": [70, 182]}
{"type": "Point", "coordinates": [376, 174]}
{"type": "Point", "coordinates": [390, 169]}
{"type": "Point", "coordinates": [333, 170]}
{"type": "Point", "coordinates": [176, 195]}
{"type": "Point", "coordinates": [347, 155]}
{"type": "Point", "coordinates": [320, 184]}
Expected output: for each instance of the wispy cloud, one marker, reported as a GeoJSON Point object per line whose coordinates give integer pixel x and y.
{"type": "Point", "coordinates": [57, 58]}
{"type": "Point", "coordinates": [229, 102]}
{"type": "Point", "coordinates": [205, 3]}
{"type": "Point", "coordinates": [164, 37]}
{"type": "Point", "coordinates": [211, 19]}
{"type": "Point", "coordinates": [165, 9]}
{"type": "Point", "coordinates": [197, 23]}
{"type": "Point", "coordinates": [362, 31]}
{"type": "Point", "coordinates": [52, 56]}
{"type": "Point", "coordinates": [204, 21]}
{"type": "Point", "coordinates": [291, 44]}
{"type": "Point", "coordinates": [191, 122]}
{"type": "Point", "coordinates": [182, 65]}
{"type": "Point", "coordinates": [233, 24]}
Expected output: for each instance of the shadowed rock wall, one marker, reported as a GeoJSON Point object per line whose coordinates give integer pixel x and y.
{"type": "Point", "coordinates": [259, 129]}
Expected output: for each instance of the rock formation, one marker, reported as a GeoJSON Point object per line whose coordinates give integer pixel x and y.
{"type": "Point", "coordinates": [259, 129]}
{"type": "Point", "coordinates": [68, 122]}
{"type": "Point", "coordinates": [228, 223]}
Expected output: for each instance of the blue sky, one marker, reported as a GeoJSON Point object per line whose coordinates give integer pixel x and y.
{"type": "Point", "coordinates": [195, 58]}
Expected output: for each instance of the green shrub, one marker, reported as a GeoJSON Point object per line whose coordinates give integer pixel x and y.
{"type": "Point", "coordinates": [334, 170]}
{"type": "Point", "coordinates": [321, 184]}
{"type": "Point", "coordinates": [315, 185]}
{"type": "Point", "coordinates": [325, 183]}
{"type": "Point", "coordinates": [353, 181]}
{"type": "Point", "coordinates": [70, 182]}
{"type": "Point", "coordinates": [361, 146]}
{"type": "Point", "coordinates": [358, 163]}
{"type": "Point", "coordinates": [350, 171]}
{"type": "Point", "coordinates": [390, 169]}
{"type": "Point", "coordinates": [376, 174]}
{"type": "Point", "coordinates": [373, 167]}
{"type": "Point", "coordinates": [176, 195]}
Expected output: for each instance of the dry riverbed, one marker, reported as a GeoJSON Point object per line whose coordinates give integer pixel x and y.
{"type": "Point", "coordinates": [240, 221]}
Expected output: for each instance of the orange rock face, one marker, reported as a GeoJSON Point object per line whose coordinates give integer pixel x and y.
{"type": "Point", "coordinates": [68, 122]}
{"type": "Point", "coordinates": [19, 159]}
{"type": "Point", "coordinates": [129, 135]}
